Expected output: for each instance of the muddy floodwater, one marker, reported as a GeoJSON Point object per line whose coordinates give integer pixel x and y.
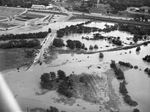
{"type": "Point", "coordinates": [25, 84]}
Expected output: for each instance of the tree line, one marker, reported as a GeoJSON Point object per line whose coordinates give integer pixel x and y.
{"type": "Point", "coordinates": [20, 44]}
{"type": "Point", "coordinates": [23, 36]}
{"type": "Point", "coordinates": [23, 3]}
{"type": "Point", "coordinates": [122, 88]}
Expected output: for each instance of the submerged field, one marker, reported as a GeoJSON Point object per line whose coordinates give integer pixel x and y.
{"type": "Point", "coordinates": [100, 89]}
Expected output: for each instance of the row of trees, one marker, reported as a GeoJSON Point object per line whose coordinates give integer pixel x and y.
{"type": "Point", "coordinates": [24, 36]}
{"type": "Point", "coordinates": [23, 3]}
{"type": "Point", "coordinates": [126, 97]}
{"type": "Point", "coordinates": [120, 5]}
{"type": "Point", "coordinates": [133, 29]}
{"type": "Point", "coordinates": [126, 64]}
{"type": "Point", "coordinates": [20, 44]}
{"type": "Point", "coordinates": [122, 88]}
{"type": "Point", "coordinates": [80, 28]}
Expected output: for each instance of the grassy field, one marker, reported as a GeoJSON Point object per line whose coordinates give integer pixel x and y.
{"type": "Point", "coordinates": [13, 58]}
{"type": "Point", "coordinates": [9, 11]}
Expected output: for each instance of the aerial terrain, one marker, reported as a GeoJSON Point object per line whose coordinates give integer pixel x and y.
{"type": "Point", "coordinates": [77, 55]}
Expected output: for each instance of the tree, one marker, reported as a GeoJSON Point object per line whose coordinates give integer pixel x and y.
{"type": "Point", "coordinates": [136, 110]}
{"type": "Point", "coordinates": [58, 42]}
{"type": "Point", "coordinates": [53, 75]}
{"type": "Point", "coordinates": [49, 30]}
{"type": "Point", "coordinates": [101, 55]}
{"type": "Point", "coordinates": [96, 47]}
{"type": "Point", "coordinates": [138, 49]}
{"type": "Point", "coordinates": [91, 47]}
{"type": "Point", "coordinates": [45, 77]}
{"type": "Point", "coordinates": [61, 74]}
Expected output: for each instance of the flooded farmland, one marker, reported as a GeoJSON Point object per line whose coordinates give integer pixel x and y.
{"type": "Point", "coordinates": [25, 83]}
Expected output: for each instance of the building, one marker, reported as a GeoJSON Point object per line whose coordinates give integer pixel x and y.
{"type": "Point", "coordinates": [50, 6]}
{"type": "Point", "coordinates": [146, 9]}
{"type": "Point", "coordinates": [38, 7]}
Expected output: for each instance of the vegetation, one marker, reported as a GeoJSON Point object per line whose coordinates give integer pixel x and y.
{"type": "Point", "coordinates": [118, 72]}
{"type": "Point", "coordinates": [20, 44]}
{"type": "Point", "coordinates": [117, 41]}
{"type": "Point", "coordinates": [125, 64]}
{"type": "Point", "coordinates": [101, 55]}
{"type": "Point", "coordinates": [134, 29]}
{"type": "Point", "coordinates": [147, 58]}
{"type": "Point", "coordinates": [23, 3]}
{"type": "Point", "coordinates": [90, 47]}
{"type": "Point", "coordinates": [120, 5]}
{"type": "Point", "coordinates": [58, 42]}
{"type": "Point", "coordinates": [29, 53]}
{"type": "Point", "coordinates": [95, 46]}
{"type": "Point", "coordinates": [147, 70]}
{"type": "Point", "coordinates": [126, 97]}
{"type": "Point", "coordinates": [72, 44]}
{"type": "Point", "coordinates": [138, 49]}
{"type": "Point", "coordinates": [52, 109]}
{"type": "Point", "coordinates": [62, 83]}
{"type": "Point", "coordinates": [23, 36]}
{"type": "Point", "coordinates": [80, 28]}
{"type": "Point", "coordinates": [136, 110]}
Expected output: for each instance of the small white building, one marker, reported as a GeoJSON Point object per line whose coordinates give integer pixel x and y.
{"type": "Point", "coordinates": [50, 6]}
{"type": "Point", "coordinates": [38, 7]}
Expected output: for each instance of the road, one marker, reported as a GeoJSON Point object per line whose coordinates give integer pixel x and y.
{"type": "Point", "coordinates": [48, 41]}
{"type": "Point", "coordinates": [109, 18]}
{"type": "Point", "coordinates": [45, 44]}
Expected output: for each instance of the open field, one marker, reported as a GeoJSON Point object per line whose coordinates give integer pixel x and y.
{"type": "Point", "coordinates": [13, 58]}
{"type": "Point", "coordinates": [6, 25]}
{"type": "Point", "coordinates": [10, 11]}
